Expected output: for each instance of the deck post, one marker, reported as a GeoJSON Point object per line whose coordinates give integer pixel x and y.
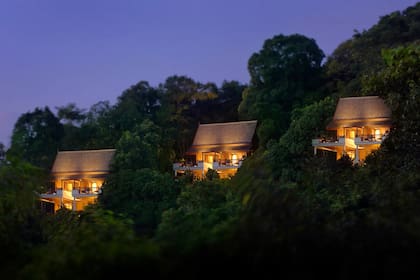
{"type": "Point", "coordinates": [356, 156]}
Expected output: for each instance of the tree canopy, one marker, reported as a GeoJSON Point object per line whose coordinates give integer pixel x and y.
{"type": "Point", "coordinates": [361, 55]}
{"type": "Point", "coordinates": [285, 74]}
{"type": "Point", "coordinates": [285, 214]}
{"type": "Point", "coordinates": [36, 137]}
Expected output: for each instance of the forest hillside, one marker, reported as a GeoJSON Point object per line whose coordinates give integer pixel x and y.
{"type": "Point", "coordinates": [285, 214]}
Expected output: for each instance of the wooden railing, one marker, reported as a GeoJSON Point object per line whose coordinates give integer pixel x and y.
{"type": "Point", "coordinates": [370, 139]}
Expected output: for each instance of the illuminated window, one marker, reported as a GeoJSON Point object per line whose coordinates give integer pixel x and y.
{"type": "Point", "coordinates": [94, 187]}
{"type": "Point", "coordinates": [234, 159]}
{"type": "Point", "coordinates": [69, 185]}
{"type": "Point", "coordinates": [377, 134]}
{"type": "Point", "coordinates": [209, 158]}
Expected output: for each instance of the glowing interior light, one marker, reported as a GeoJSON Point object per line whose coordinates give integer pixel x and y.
{"type": "Point", "coordinates": [68, 205]}
{"type": "Point", "coordinates": [377, 134]}
{"type": "Point", "coordinates": [94, 187]}
{"type": "Point", "coordinates": [234, 159]}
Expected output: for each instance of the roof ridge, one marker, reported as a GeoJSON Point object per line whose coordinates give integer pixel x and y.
{"type": "Point", "coordinates": [361, 97]}
{"type": "Point", "coordinates": [87, 151]}
{"type": "Point", "coordinates": [228, 123]}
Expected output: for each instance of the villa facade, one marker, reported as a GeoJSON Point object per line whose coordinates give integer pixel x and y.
{"type": "Point", "coordinates": [76, 179]}
{"type": "Point", "coordinates": [218, 146]}
{"type": "Point", "coordinates": [358, 127]}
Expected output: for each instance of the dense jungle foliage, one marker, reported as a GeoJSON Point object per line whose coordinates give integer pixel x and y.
{"type": "Point", "coordinates": [285, 214]}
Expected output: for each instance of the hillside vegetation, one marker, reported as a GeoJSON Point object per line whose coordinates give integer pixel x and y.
{"type": "Point", "coordinates": [285, 214]}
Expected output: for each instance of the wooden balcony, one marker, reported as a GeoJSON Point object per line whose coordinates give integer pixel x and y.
{"type": "Point", "coordinates": [369, 139]}
{"type": "Point", "coordinates": [75, 193]}
{"type": "Point", "coordinates": [85, 192]}
{"type": "Point", "coordinates": [58, 194]}
{"type": "Point", "coordinates": [52, 194]}
{"type": "Point", "coordinates": [178, 166]}
{"type": "Point", "coordinates": [201, 166]}
{"type": "Point", "coordinates": [226, 165]}
{"type": "Point", "coordinates": [329, 142]}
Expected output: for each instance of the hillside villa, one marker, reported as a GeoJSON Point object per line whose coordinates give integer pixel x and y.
{"type": "Point", "coordinates": [358, 127]}
{"type": "Point", "coordinates": [76, 179]}
{"type": "Point", "coordinates": [218, 146]}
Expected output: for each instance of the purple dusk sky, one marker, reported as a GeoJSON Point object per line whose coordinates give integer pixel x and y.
{"type": "Point", "coordinates": [55, 52]}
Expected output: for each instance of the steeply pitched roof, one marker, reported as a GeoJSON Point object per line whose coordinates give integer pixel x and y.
{"type": "Point", "coordinates": [360, 111]}
{"type": "Point", "coordinates": [83, 161]}
{"type": "Point", "coordinates": [235, 135]}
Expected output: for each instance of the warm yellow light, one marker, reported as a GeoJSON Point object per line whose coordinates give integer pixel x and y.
{"type": "Point", "coordinates": [94, 187]}
{"type": "Point", "coordinates": [377, 134]}
{"type": "Point", "coordinates": [234, 159]}
{"type": "Point", "coordinates": [351, 154]}
{"type": "Point", "coordinates": [68, 205]}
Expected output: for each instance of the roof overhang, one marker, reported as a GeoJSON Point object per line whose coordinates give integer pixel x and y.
{"type": "Point", "coordinates": [335, 124]}
{"type": "Point", "coordinates": [75, 175]}
{"type": "Point", "coordinates": [219, 147]}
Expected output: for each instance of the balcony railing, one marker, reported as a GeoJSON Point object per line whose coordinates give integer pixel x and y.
{"type": "Point", "coordinates": [79, 192]}
{"type": "Point", "coordinates": [52, 193]}
{"type": "Point", "coordinates": [341, 141]}
{"type": "Point", "coordinates": [188, 166]}
{"type": "Point", "coordinates": [200, 165]}
{"type": "Point", "coordinates": [369, 139]}
{"type": "Point", "coordinates": [226, 164]}
{"type": "Point", "coordinates": [82, 192]}
{"type": "Point", "coordinates": [329, 141]}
